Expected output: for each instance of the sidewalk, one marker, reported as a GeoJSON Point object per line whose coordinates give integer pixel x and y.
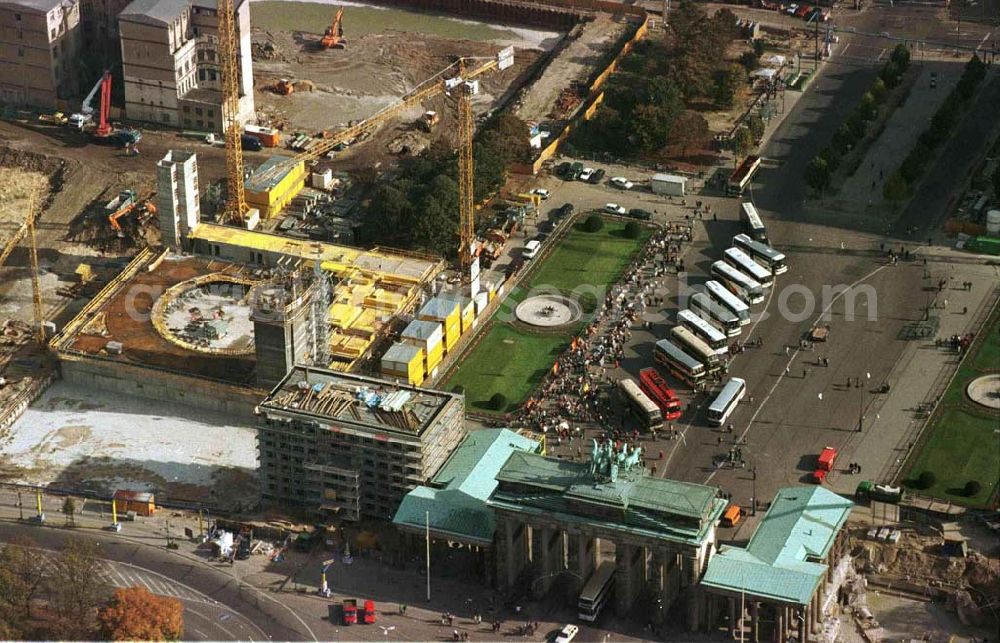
{"type": "Point", "coordinates": [890, 424]}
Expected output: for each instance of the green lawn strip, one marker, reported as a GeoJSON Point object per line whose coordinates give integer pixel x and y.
{"type": "Point", "coordinates": [506, 361]}
{"type": "Point", "coordinates": [961, 444]}
{"type": "Point", "coordinates": [512, 361]}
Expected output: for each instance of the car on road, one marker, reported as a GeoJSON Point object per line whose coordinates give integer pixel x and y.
{"type": "Point", "coordinates": [586, 174]}
{"type": "Point", "coordinates": [639, 213]}
{"type": "Point", "coordinates": [542, 192]}
{"type": "Point", "coordinates": [596, 177]}
{"type": "Point", "coordinates": [621, 183]}
{"type": "Point", "coordinates": [791, 9]}
{"type": "Point", "coordinates": [531, 249]}
{"type": "Point", "coordinates": [567, 634]}
{"type": "Point", "coordinates": [933, 80]}
{"type": "Point", "coordinates": [614, 208]}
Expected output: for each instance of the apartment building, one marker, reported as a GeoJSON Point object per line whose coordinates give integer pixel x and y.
{"type": "Point", "coordinates": [39, 43]}
{"type": "Point", "coordinates": [170, 62]}
{"type": "Point", "coordinates": [349, 447]}
{"type": "Point", "coordinates": [99, 22]}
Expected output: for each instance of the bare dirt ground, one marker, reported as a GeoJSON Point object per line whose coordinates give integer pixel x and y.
{"type": "Point", "coordinates": [589, 43]}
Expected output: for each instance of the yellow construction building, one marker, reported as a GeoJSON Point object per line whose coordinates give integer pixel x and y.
{"type": "Point", "coordinates": [270, 192]}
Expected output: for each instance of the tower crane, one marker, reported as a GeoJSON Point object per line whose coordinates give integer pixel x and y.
{"type": "Point", "coordinates": [463, 87]}
{"type": "Point", "coordinates": [236, 205]}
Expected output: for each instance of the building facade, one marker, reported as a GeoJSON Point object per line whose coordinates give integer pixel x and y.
{"type": "Point", "coordinates": [39, 44]}
{"type": "Point", "coordinates": [177, 196]}
{"type": "Point", "coordinates": [170, 62]}
{"type": "Point", "coordinates": [99, 23]}
{"type": "Point", "coordinates": [349, 447]}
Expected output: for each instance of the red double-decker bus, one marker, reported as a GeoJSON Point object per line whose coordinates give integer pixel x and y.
{"type": "Point", "coordinates": [653, 385]}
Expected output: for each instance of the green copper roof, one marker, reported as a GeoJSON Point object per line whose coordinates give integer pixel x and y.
{"type": "Point", "coordinates": [457, 496]}
{"type": "Point", "coordinates": [781, 559]}
{"type": "Point", "coordinates": [641, 492]}
{"type": "Point", "coordinates": [531, 484]}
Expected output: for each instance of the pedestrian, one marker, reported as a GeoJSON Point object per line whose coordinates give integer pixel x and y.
{"type": "Point", "coordinates": [965, 309]}
{"type": "Point", "coordinates": [787, 370]}
{"type": "Point", "coordinates": [786, 350]}
{"type": "Point", "coordinates": [804, 373]}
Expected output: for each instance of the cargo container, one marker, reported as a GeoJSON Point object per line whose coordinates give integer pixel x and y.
{"type": "Point", "coordinates": [142, 503]}
{"type": "Point", "coordinates": [669, 184]}
{"type": "Point", "coordinates": [428, 335]}
{"type": "Point", "coordinates": [268, 136]}
{"type": "Point", "coordinates": [404, 362]}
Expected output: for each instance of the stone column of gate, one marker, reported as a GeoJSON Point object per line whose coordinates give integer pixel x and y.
{"type": "Point", "coordinates": [581, 560]}
{"type": "Point", "coordinates": [512, 549]}
{"type": "Point", "coordinates": [551, 558]}
{"type": "Point", "coordinates": [690, 572]}
{"type": "Point", "coordinates": [780, 621]}
{"type": "Point", "coordinates": [628, 577]}
{"type": "Point", "coordinates": [754, 622]}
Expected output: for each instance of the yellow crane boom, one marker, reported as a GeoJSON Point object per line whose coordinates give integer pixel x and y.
{"type": "Point", "coordinates": [236, 205]}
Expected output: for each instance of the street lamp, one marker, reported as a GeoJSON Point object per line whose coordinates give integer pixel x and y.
{"type": "Point", "coordinates": [386, 630]}
{"type": "Point", "coordinates": [861, 408]}
{"type": "Point", "coordinates": [753, 479]}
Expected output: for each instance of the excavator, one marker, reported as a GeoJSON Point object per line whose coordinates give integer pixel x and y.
{"type": "Point", "coordinates": [128, 204]}
{"type": "Point", "coordinates": [334, 36]}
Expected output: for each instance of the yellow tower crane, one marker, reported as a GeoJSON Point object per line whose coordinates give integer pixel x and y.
{"type": "Point", "coordinates": [236, 205]}
{"type": "Point", "coordinates": [36, 287]}
{"type": "Point", "coordinates": [440, 83]}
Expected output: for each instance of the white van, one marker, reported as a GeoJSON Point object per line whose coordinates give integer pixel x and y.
{"type": "Point", "coordinates": [531, 249]}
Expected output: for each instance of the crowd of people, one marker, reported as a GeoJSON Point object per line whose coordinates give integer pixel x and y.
{"type": "Point", "coordinates": [571, 393]}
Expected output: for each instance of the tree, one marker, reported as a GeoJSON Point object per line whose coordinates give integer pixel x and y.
{"type": "Point", "coordinates": [868, 109]}
{"type": "Point", "coordinates": [857, 125]}
{"type": "Point", "coordinates": [69, 510]}
{"type": "Point", "coordinates": [688, 129]}
{"type": "Point", "coordinates": [651, 126]}
{"type": "Point", "coordinates": [756, 125]}
{"type": "Point", "coordinates": [726, 82]}
{"type": "Point", "coordinates": [926, 480]}
{"type": "Point", "coordinates": [134, 614]}
{"type": "Point", "coordinates": [435, 220]}
{"type": "Point", "coordinates": [890, 74]}
{"type": "Point", "coordinates": [996, 180]}
{"type": "Point", "coordinates": [832, 157]}
{"type": "Point", "coordinates": [594, 223]}
{"type": "Point", "coordinates": [749, 60]}
{"type": "Point", "coordinates": [901, 56]}
{"type": "Point", "coordinates": [76, 588]}
{"type": "Point", "coordinates": [498, 402]}
{"type": "Point", "coordinates": [844, 139]}
{"type": "Point", "coordinates": [633, 230]}
{"type": "Point", "coordinates": [878, 90]}
{"type": "Point", "coordinates": [743, 142]}
{"type": "Point", "coordinates": [895, 189]}
{"type": "Point", "coordinates": [972, 488]}
{"type": "Point", "coordinates": [817, 174]}
{"type": "Point", "coordinates": [25, 574]}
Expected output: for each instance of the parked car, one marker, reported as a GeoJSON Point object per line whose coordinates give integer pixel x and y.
{"type": "Point", "coordinates": [567, 634]}
{"type": "Point", "coordinates": [791, 9]}
{"type": "Point", "coordinates": [803, 11]}
{"type": "Point", "coordinates": [564, 210]}
{"type": "Point", "coordinates": [251, 143]}
{"type": "Point", "coordinates": [596, 177]}
{"type": "Point", "coordinates": [531, 249]}
{"type": "Point", "coordinates": [542, 192]}
{"type": "Point", "coordinates": [639, 213]}
{"type": "Point", "coordinates": [586, 174]}
{"type": "Point", "coordinates": [563, 169]}
{"type": "Point", "coordinates": [622, 183]}
{"type": "Point", "coordinates": [574, 172]}
{"type": "Point", "coordinates": [541, 237]}
{"type": "Point", "coordinates": [546, 226]}
{"type": "Point", "coordinates": [614, 208]}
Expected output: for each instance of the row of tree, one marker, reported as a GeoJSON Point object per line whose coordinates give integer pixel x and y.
{"type": "Point", "coordinates": [63, 596]}
{"type": "Point", "coordinates": [819, 172]}
{"type": "Point", "coordinates": [941, 127]}
{"type": "Point", "coordinates": [417, 207]}
{"type": "Point", "coordinates": [648, 101]}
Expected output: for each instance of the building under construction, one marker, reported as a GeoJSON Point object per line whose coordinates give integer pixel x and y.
{"type": "Point", "coordinates": [348, 446]}
{"type": "Point", "coordinates": [239, 313]}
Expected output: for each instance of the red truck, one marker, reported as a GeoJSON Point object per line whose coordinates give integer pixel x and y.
{"type": "Point", "coordinates": [369, 613]}
{"type": "Point", "coordinates": [350, 611]}
{"type": "Point", "coordinates": [824, 464]}
{"type": "Point", "coordinates": [653, 385]}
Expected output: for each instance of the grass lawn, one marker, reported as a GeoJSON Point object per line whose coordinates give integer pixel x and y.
{"type": "Point", "coordinates": [512, 361]}
{"type": "Point", "coordinates": [962, 444]}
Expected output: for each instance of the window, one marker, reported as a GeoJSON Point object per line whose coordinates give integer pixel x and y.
{"type": "Point", "coordinates": [52, 33]}
{"type": "Point", "coordinates": [211, 74]}
{"type": "Point", "coordinates": [165, 117]}
{"type": "Point", "coordinates": [211, 113]}
{"type": "Point", "coordinates": [201, 74]}
{"type": "Point", "coordinates": [187, 109]}
{"type": "Point", "coordinates": [197, 110]}
{"type": "Point", "coordinates": [187, 122]}
{"type": "Point", "coordinates": [20, 52]}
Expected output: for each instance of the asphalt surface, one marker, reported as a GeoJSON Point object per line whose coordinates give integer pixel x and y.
{"type": "Point", "coordinates": [216, 607]}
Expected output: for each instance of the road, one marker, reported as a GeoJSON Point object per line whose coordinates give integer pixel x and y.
{"type": "Point", "coordinates": [216, 606]}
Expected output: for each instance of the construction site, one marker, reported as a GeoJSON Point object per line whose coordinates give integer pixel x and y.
{"type": "Point", "coordinates": [197, 276]}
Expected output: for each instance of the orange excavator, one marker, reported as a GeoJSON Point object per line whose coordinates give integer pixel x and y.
{"type": "Point", "coordinates": [128, 204]}
{"type": "Point", "coordinates": [334, 36]}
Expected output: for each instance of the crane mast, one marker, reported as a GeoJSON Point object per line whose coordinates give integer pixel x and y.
{"type": "Point", "coordinates": [36, 288]}
{"type": "Point", "coordinates": [466, 197]}
{"type": "Point", "coordinates": [236, 205]}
